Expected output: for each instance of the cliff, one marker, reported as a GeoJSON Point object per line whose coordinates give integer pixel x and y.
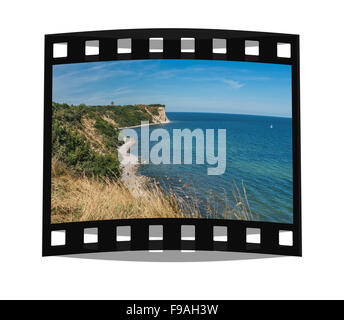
{"type": "Point", "coordinates": [157, 113]}
{"type": "Point", "coordinates": [85, 138]}
{"type": "Point", "coordinates": [85, 166]}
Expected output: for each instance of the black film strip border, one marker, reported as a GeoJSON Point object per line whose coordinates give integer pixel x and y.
{"type": "Point", "coordinates": [235, 51]}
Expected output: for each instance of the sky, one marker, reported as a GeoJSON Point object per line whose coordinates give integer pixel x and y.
{"type": "Point", "coordinates": [181, 85]}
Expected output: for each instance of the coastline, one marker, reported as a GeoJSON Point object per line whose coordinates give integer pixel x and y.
{"type": "Point", "coordinates": [129, 163]}
{"type": "Point", "coordinates": [145, 125]}
{"type": "Point", "coordinates": [135, 184]}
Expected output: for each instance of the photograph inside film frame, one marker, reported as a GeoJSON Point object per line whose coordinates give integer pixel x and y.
{"type": "Point", "coordinates": [172, 139]}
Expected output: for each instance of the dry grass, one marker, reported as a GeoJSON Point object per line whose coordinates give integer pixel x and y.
{"type": "Point", "coordinates": [217, 206]}
{"type": "Point", "coordinates": [77, 198]}
{"type": "Point", "coordinates": [238, 209]}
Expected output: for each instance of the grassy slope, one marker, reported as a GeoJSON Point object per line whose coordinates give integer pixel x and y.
{"type": "Point", "coordinates": [85, 138]}
{"type": "Point", "coordinates": [81, 198]}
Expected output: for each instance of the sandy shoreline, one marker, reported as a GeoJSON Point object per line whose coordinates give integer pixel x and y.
{"type": "Point", "coordinates": [129, 163]}
{"type": "Point", "coordinates": [124, 157]}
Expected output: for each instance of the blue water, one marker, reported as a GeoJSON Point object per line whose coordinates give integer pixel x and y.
{"type": "Point", "coordinates": [257, 154]}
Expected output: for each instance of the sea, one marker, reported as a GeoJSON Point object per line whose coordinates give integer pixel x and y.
{"type": "Point", "coordinates": [258, 157]}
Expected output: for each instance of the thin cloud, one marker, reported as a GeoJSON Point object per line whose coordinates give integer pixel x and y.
{"type": "Point", "coordinates": [234, 84]}
{"type": "Point", "coordinates": [167, 74]}
{"type": "Point", "coordinates": [120, 91]}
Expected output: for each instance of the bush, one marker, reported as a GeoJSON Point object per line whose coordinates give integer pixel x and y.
{"type": "Point", "coordinates": [71, 146]}
{"type": "Point", "coordinates": [74, 150]}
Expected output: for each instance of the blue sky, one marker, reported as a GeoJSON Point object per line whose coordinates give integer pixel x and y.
{"type": "Point", "coordinates": [182, 85]}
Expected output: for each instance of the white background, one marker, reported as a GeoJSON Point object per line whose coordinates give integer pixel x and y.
{"type": "Point", "coordinates": [25, 274]}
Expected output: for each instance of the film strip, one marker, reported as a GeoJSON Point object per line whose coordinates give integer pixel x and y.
{"type": "Point", "coordinates": [176, 233]}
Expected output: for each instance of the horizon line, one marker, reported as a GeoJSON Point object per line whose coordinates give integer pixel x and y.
{"type": "Point", "coordinates": [239, 114]}
{"type": "Point", "coordinates": [243, 114]}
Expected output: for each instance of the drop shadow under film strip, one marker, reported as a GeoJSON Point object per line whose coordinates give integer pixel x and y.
{"type": "Point", "coordinates": [173, 44]}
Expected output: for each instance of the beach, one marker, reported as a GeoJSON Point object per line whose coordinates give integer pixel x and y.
{"type": "Point", "coordinates": [129, 164]}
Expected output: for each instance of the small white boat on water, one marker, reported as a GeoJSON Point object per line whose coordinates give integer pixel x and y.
{"type": "Point", "coordinates": [271, 126]}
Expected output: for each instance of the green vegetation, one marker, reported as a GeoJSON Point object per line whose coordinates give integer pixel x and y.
{"type": "Point", "coordinates": [127, 115]}
{"type": "Point", "coordinates": [85, 166]}
{"type": "Point", "coordinates": [85, 138]}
